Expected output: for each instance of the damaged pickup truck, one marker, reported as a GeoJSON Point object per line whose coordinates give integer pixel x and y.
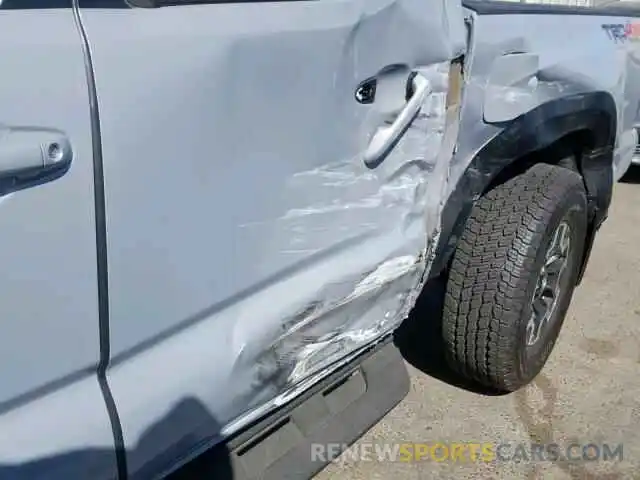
{"type": "Point", "coordinates": [239, 202]}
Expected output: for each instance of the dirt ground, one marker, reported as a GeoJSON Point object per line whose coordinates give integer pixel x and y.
{"type": "Point", "coordinates": [589, 392]}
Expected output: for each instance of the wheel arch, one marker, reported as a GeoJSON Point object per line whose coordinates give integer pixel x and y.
{"type": "Point", "coordinates": [583, 126]}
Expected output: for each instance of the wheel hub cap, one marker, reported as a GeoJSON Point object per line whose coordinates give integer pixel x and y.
{"type": "Point", "coordinates": [547, 291]}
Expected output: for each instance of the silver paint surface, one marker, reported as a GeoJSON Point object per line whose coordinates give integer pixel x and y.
{"type": "Point", "coordinates": [250, 249]}
{"type": "Point", "coordinates": [53, 421]}
{"type": "Point", "coordinates": [497, 77]}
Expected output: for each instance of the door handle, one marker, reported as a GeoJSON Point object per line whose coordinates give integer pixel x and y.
{"type": "Point", "coordinates": [386, 136]}
{"type": "Point", "coordinates": [31, 156]}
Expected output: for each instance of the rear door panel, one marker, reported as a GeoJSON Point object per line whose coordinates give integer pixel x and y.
{"type": "Point", "coordinates": [249, 245]}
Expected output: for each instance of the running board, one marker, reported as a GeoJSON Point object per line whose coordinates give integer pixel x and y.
{"type": "Point", "coordinates": [338, 410]}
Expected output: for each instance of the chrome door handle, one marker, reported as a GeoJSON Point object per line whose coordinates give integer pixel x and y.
{"type": "Point", "coordinates": [31, 156]}
{"type": "Point", "coordinates": [386, 136]}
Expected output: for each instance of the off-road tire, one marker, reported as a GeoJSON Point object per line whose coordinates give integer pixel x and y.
{"type": "Point", "coordinates": [494, 271]}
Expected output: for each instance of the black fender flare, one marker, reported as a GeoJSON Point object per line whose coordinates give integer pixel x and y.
{"type": "Point", "coordinates": [541, 127]}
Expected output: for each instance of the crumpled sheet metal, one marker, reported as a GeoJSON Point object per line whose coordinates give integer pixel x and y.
{"type": "Point", "coordinates": [374, 297]}
{"type": "Point", "coordinates": [282, 358]}
{"type": "Point", "coordinates": [570, 70]}
{"type": "Point", "coordinates": [311, 281]}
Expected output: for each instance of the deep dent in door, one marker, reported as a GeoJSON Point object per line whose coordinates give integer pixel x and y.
{"type": "Point", "coordinates": [257, 348]}
{"type": "Point", "coordinates": [293, 351]}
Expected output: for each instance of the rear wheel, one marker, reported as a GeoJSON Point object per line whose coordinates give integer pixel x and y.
{"type": "Point", "coordinates": [512, 276]}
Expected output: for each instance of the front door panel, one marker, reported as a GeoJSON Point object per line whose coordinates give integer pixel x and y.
{"type": "Point", "coordinates": [249, 244]}
{"type": "Point", "coordinates": [53, 418]}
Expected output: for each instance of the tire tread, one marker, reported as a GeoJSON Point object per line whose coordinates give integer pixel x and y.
{"type": "Point", "coordinates": [490, 270]}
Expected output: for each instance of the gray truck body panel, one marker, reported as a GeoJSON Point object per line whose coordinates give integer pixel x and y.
{"type": "Point", "coordinates": [217, 244]}
{"type": "Point", "coordinates": [241, 204]}
{"type": "Point", "coordinates": [51, 405]}
{"type": "Point", "coordinates": [502, 86]}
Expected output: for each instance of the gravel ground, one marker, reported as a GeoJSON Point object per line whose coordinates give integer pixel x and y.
{"type": "Point", "coordinates": [589, 392]}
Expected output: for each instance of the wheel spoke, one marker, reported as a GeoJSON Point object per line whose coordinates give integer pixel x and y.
{"type": "Point", "coordinates": [548, 282]}
{"type": "Point", "coordinates": [564, 238]}
{"type": "Point", "coordinates": [554, 265]}
{"type": "Point", "coordinates": [532, 329]}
